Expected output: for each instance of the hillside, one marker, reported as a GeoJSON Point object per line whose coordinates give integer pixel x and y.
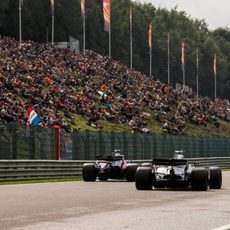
{"type": "Point", "coordinates": [95, 92]}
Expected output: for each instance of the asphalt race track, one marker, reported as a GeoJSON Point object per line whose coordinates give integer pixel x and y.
{"type": "Point", "coordinates": [111, 205]}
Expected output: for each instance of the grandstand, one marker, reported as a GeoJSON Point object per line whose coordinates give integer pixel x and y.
{"type": "Point", "coordinates": [95, 92]}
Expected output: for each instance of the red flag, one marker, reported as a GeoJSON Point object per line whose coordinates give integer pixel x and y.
{"type": "Point", "coordinates": [150, 35]}
{"type": "Point", "coordinates": [214, 64]}
{"type": "Point", "coordinates": [83, 8]}
{"type": "Point", "coordinates": [182, 55]}
{"type": "Point", "coordinates": [106, 11]}
{"type": "Point", "coordinates": [52, 7]}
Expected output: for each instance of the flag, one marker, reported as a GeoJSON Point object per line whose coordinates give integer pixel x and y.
{"type": "Point", "coordinates": [150, 35]}
{"type": "Point", "coordinates": [52, 7]}
{"type": "Point", "coordinates": [33, 118]}
{"type": "Point", "coordinates": [83, 8]}
{"type": "Point", "coordinates": [214, 64]}
{"type": "Point", "coordinates": [130, 16]}
{"type": "Point", "coordinates": [197, 56]}
{"type": "Point", "coordinates": [182, 55]}
{"type": "Point", "coordinates": [131, 37]}
{"type": "Point", "coordinates": [106, 11]}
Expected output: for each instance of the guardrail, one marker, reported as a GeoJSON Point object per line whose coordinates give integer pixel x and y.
{"type": "Point", "coordinates": [12, 170]}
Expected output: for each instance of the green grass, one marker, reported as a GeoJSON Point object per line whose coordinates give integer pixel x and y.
{"type": "Point", "coordinates": [224, 130]}
{"type": "Point", "coordinates": [40, 181]}
{"type": "Point", "coordinates": [154, 126]}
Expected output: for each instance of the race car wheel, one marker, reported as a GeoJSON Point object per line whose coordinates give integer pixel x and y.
{"type": "Point", "coordinates": [89, 172]}
{"type": "Point", "coordinates": [143, 178]}
{"type": "Point", "coordinates": [215, 180]}
{"type": "Point", "coordinates": [146, 165]}
{"type": "Point", "coordinates": [199, 179]}
{"type": "Point", "coordinates": [130, 172]}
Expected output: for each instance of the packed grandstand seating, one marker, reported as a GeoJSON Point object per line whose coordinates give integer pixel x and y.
{"type": "Point", "coordinates": [59, 83]}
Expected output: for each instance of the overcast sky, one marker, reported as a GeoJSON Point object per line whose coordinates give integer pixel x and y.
{"type": "Point", "coordinates": [216, 13]}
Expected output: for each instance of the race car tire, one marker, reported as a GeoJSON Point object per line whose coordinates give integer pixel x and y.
{"type": "Point", "coordinates": [143, 178]}
{"type": "Point", "coordinates": [130, 171]}
{"type": "Point", "coordinates": [89, 172]}
{"type": "Point", "coordinates": [215, 180]}
{"type": "Point", "coordinates": [199, 179]}
{"type": "Point", "coordinates": [146, 165]}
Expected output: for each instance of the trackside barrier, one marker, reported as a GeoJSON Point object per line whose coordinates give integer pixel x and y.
{"type": "Point", "coordinates": [12, 170]}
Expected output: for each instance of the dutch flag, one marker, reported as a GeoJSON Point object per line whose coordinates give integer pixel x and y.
{"type": "Point", "coordinates": [33, 118]}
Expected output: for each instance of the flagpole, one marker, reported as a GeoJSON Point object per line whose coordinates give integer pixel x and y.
{"type": "Point", "coordinates": [183, 77]}
{"type": "Point", "coordinates": [84, 34]}
{"type": "Point", "coordinates": [47, 35]}
{"type": "Point", "coordinates": [197, 73]}
{"type": "Point", "coordinates": [131, 39]}
{"type": "Point", "coordinates": [52, 29]}
{"type": "Point", "coordinates": [215, 84]}
{"type": "Point", "coordinates": [168, 61]}
{"type": "Point", "coordinates": [20, 23]}
{"type": "Point", "coordinates": [110, 33]}
{"type": "Point", "coordinates": [150, 51]}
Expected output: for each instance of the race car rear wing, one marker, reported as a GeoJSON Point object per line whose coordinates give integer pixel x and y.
{"type": "Point", "coordinates": [109, 158]}
{"type": "Point", "coordinates": [170, 162]}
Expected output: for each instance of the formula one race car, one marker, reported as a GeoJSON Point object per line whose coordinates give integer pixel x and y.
{"type": "Point", "coordinates": [177, 173]}
{"type": "Point", "coordinates": [109, 167]}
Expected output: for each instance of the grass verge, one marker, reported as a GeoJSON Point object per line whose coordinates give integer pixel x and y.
{"type": "Point", "coordinates": [40, 181]}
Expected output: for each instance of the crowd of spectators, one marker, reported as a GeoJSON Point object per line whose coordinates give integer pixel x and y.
{"type": "Point", "coordinates": [59, 83]}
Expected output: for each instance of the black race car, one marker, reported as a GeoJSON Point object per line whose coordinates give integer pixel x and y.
{"type": "Point", "coordinates": [177, 172]}
{"type": "Point", "coordinates": [109, 167]}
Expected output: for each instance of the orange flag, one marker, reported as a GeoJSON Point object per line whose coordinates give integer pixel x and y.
{"type": "Point", "coordinates": [106, 11]}
{"type": "Point", "coordinates": [182, 55]}
{"type": "Point", "coordinates": [214, 64]}
{"type": "Point", "coordinates": [150, 35]}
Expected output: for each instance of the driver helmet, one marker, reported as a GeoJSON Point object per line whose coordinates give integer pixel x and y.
{"type": "Point", "coordinates": [178, 154]}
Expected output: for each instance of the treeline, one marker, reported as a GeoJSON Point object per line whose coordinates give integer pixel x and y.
{"type": "Point", "coordinates": [36, 25]}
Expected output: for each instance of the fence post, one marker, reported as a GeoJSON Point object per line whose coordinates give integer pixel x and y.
{"type": "Point", "coordinates": [57, 142]}
{"type": "Point", "coordinates": [14, 142]}
{"type": "Point", "coordinates": [125, 145]}
{"type": "Point", "coordinates": [13, 129]}
{"type": "Point", "coordinates": [77, 144]}
{"type": "Point", "coordinates": [112, 139]}
{"type": "Point", "coordinates": [32, 144]}
{"type": "Point", "coordinates": [101, 143]}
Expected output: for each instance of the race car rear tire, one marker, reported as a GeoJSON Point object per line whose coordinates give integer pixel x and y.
{"type": "Point", "coordinates": [130, 172]}
{"type": "Point", "coordinates": [199, 179]}
{"type": "Point", "coordinates": [143, 178]}
{"type": "Point", "coordinates": [215, 180]}
{"type": "Point", "coordinates": [89, 172]}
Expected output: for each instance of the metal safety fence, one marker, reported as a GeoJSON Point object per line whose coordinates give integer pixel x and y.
{"type": "Point", "coordinates": [17, 142]}
{"type": "Point", "coordinates": [87, 145]}
{"type": "Point", "coordinates": [21, 142]}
